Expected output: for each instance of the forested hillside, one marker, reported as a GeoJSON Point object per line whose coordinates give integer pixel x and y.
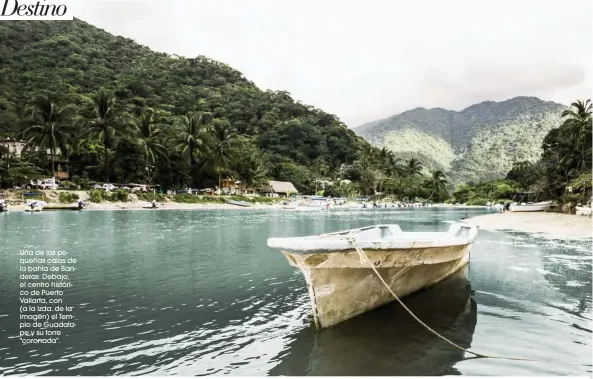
{"type": "Point", "coordinates": [79, 68]}
{"type": "Point", "coordinates": [480, 142]}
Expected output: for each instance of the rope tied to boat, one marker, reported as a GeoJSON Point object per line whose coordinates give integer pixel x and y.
{"type": "Point", "coordinates": [351, 238]}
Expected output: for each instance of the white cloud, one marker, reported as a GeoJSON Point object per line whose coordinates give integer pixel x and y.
{"type": "Point", "coordinates": [371, 59]}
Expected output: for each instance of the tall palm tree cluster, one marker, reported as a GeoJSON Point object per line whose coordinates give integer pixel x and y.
{"type": "Point", "coordinates": [567, 160]}
{"type": "Point", "coordinates": [199, 142]}
{"type": "Point", "coordinates": [381, 171]}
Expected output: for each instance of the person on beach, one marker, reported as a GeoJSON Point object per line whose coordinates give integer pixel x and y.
{"type": "Point", "coordinates": [80, 204]}
{"type": "Point", "coordinates": [154, 203]}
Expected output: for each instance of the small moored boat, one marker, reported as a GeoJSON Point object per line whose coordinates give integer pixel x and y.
{"type": "Point", "coordinates": [530, 207]}
{"type": "Point", "coordinates": [34, 205]}
{"type": "Point", "coordinates": [3, 204]}
{"type": "Point", "coordinates": [152, 205]}
{"type": "Point", "coordinates": [238, 203]}
{"type": "Point", "coordinates": [342, 285]}
{"type": "Point", "coordinates": [583, 211]}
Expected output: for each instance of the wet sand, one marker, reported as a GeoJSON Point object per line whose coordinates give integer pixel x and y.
{"type": "Point", "coordinates": [556, 225]}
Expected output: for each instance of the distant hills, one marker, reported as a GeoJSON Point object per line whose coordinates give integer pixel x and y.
{"type": "Point", "coordinates": [480, 142]}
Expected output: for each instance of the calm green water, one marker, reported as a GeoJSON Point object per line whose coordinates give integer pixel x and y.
{"type": "Point", "coordinates": [199, 293]}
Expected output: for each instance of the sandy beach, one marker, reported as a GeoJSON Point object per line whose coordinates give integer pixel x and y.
{"type": "Point", "coordinates": [556, 225]}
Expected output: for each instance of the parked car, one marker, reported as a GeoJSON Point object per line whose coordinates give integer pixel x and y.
{"type": "Point", "coordinates": [106, 187]}
{"type": "Point", "coordinates": [44, 184]}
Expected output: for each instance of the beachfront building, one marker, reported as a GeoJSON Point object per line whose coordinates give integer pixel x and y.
{"type": "Point", "coordinates": [12, 147]}
{"type": "Point", "coordinates": [278, 189]}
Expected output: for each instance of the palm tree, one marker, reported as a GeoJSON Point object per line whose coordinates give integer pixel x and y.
{"type": "Point", "coordinates": [224, 142]}
{"type": "Point", "coordinates": [105, 125]}
{"type": "Point", "coordinates": [438, 182]}
{"type": "Point", "coordinates": [394, 167]}
{"type": "Point", "coordinates": [192, 138]}
{"type": "Point", "coordinates": [579, 118]}
{"type": "Point", "coordinates": [49, 130]}
{"type": "Point", "coordinates": [414, 167]}
{"type": "Point", "coordinates": [150, 137]}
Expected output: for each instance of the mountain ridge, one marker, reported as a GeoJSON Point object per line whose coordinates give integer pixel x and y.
{"type": "Point", "coordinates": [488, 102]}
{"type": "Point", "coordinates": [452, 139]}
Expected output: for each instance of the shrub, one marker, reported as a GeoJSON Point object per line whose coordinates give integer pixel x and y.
{"type": "Point", "coordinates": [150, 197]}
{"type": "Point", "coordinates": [185, 198]}
{"type": "Point", "coordinates": [119, 195]}
{"type": "Point", "coordinates": [213, 199]}
{"type": "Point", "coordinates": [96, 196]}
{"type": "Point", "coordinates": [68, 197]}
{"type": "Point", "coordinates": [68, 185]}
{"type": "Point", "coordinates": [477, 201]}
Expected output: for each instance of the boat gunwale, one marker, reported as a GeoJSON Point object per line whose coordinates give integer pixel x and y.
{"type": "Point", "coordinates": [330, 242]}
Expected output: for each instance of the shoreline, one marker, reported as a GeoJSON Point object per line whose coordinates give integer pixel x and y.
{"type": "Point", "coordinates": [555, 225]}
{"type": "Point", "coordinates": [140, 205]}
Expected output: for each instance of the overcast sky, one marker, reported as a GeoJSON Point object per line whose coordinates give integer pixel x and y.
{"type": "Point", "coordinates": [367, 60]}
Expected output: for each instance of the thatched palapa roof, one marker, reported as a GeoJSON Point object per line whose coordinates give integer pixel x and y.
{"type": "Point", "coordinates": [281, 187]}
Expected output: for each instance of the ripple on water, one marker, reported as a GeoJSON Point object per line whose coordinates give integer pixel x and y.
{"type": "Point", "coordinates": [199, 293]}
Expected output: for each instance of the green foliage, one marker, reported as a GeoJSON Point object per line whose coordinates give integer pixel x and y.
{"type": "Point", "coordinates": [478, 143]}
{"type": "Point", "coordinates": [68, 197]}
{"type": "Point", "coordinates": [483, 192]}
{"type": "Point", "coordinates": [434, 152]}
{"type": "Point", "coordinates": [68, 185]}
{"type": "Point", "coordinates": [129, 103]}
{"type": "Point", "coordinates": [96, 196]}
{"type": "Point", "coordinates": [159, 197]}
{"type": "Point", "coordinates": [117, 195]}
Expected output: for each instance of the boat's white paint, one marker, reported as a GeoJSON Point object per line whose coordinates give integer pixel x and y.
{"type": "Point", "coordinates": [533, 207]}
{"type": "Point", "coordinates": [34, 205]}
{"type": "Point", "coordinates": [342, 286]}
{"type": "Point", "coordinates": [378, 237]}
{"type": "Point", "coordinates": [583, 211]}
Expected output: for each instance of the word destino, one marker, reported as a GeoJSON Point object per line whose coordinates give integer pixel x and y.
{"type": "Point", "coordinates": [28, 8]}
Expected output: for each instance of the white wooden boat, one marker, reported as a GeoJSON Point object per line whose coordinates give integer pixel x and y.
{"type": "Point", "coordinates": [34, 205]}
{"type": "Point", "coordinates": [341, 285]}
{"type": "Point", "coordinates": [3, 204]}
{"type": "Point", "coordinates": [583, 211]}
{"type": "Point", "coordinates": [290, 205]}
{"type": "Point", "coordinates": [151, 206]}
{"type": "Point", "coordinates": [530, 207]}
{"type": "Point", "coordinates": [238, 203]}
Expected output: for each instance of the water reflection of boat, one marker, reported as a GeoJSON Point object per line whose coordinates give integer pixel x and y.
{"type": "Point", "coordinates": [388, 341]}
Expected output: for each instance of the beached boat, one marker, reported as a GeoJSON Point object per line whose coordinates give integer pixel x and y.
{"type": "Point", "coordinates": [63, 207]}
{"type": "Point", "coordinates": [583, 211]}
{"type": "Point", "coordinates": [342, 285]}
{"type": "Point", "coordinates": [238, 203]}
{"type": "Point", "coordinates": [530, 207]}
{"type": "Point", "coordinates": [34, 206]}
{"type": "Point", "coordinates": [3, 204]}
{"type": "Point", "coordinates": [151, 206]}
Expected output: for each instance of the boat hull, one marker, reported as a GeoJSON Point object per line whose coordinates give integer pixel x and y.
{"type": "Point", "coordinates": [341, 287]}
{"type": "Point", "coordinates": [583, 211]}
{"type": "Point", "coordinates": [536, 207]}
